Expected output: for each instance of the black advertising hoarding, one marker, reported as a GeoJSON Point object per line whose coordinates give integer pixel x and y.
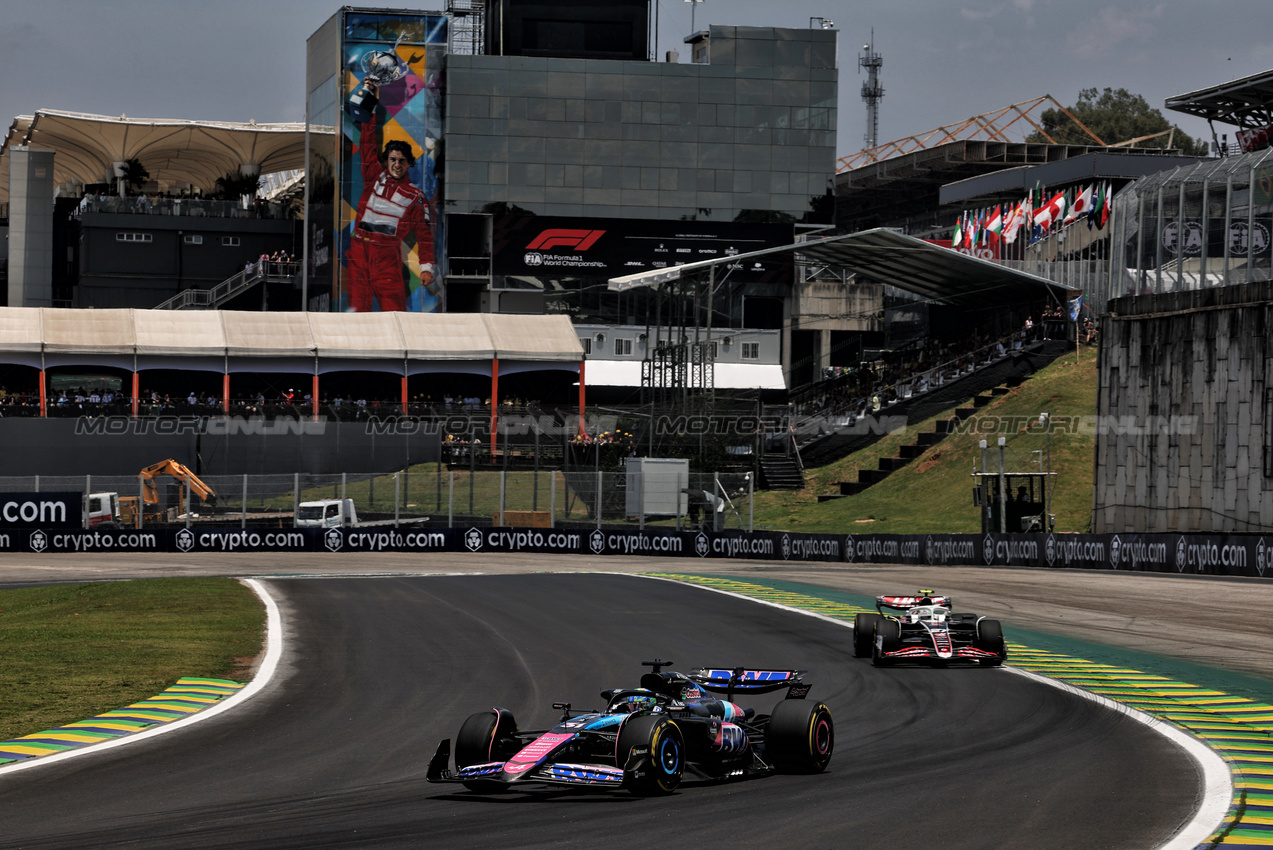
{"type": "Point", "coordinates": [42, 510]}
{"type": "Point", "coordinates": [1193, 554]}
{"type": "Point", "coordinates": [613, 247]}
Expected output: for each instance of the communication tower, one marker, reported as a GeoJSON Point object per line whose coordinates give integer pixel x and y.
{"type": "Point", "coordinates": [872, 91]}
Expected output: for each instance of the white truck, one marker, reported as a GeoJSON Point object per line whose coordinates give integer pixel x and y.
{"type": "Point", "coordinates": [102, 510]}
{"type": "Point", "coordinates": [340, 513]}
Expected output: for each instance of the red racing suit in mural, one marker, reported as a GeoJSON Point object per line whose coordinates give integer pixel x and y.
{"type": "Point", "coordinates": [390, 208]}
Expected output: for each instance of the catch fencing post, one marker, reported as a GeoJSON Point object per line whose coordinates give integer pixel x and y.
{"type": "Point", "coordinates": [716, 492]}
{"type": "Point", "coordinates": [397, 497]}
{"type": "Point", "coordinates": [1003, 497]}
{"type": "Point", "coordinates": [677, 496]}
{"type": "Point", "coordinates": [598, 494]}
{"type": "Point", "coordinates": [343, 477]}
{"type": "Point", "coordinates": [503, 477]}
{"type": "Point", "coordinates": [640, 499]}
{"type": "Point", "coordinates": [244, 522]}
{"type": "Point", "coordinates": [296, 497]}
{"type": "Point", "coordinates": [141, 499]}
{"type": "Point", "coordinates": [751, 502]}
{"type": "Point", "coordinates": [552, 500]}
{"type": "Point", "coordinates": [450, 498]}
{"type": "Point", "coordinates": [189, 507]}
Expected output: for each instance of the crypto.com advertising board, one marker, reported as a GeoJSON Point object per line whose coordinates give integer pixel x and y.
{"type": "Point", "coordinates": [550, 246]}
{"type": "Point", "coordinates": [390, 145]}
{"type": "Point", "coordinates": [1248, 555]}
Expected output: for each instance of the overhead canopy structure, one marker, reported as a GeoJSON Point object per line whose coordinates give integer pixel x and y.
{"type": "Point", "coordinates": [935, 273]}
{"type": "Point", "coordinates": [1246, 103]}
{"type": "Point", "coordinates": [174, 152]}
{"type": "Point", "coordinates": [248, 341]}
{"type": "Point", "coordinates": [1008, 124]}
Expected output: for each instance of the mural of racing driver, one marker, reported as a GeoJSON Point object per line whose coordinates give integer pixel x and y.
{"type": "Point", "coordinates": [391, 209]}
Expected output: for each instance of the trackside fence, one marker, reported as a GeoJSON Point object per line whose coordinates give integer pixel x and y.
{"type": "Point", "coordinates": [432, 495]}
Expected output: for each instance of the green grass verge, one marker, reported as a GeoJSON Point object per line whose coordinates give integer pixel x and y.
{"type": "Point", "coordinates": [70, 652]}
{"type": "Point", "coordinates": [933, 493]}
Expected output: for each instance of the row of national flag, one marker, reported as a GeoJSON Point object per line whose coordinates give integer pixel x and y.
{"type": "Point", "coordinates": [1033, 217]}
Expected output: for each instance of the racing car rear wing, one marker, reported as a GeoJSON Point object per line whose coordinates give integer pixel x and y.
{"type": "Point", "coordinates": [901, 603]}
{"type": "Point", "coordinates": [743, 680]}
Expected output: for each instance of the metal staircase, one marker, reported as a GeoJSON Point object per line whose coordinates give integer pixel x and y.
{"type": "Point", "coordinates": [233, 286]}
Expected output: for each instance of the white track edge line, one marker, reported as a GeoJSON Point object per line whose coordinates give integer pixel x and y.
{"type": "Point", "coordinates": [1217, 785]}
{"type": "Point", "coordinates": [269, 666]}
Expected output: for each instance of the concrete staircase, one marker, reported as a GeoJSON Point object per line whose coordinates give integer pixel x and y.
{"type": "Point", "coordinates": [779, 472]}
{"type": "Point", "coordinates": [924, 440]}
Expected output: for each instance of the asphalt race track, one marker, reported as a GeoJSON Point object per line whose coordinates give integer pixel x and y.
{"type": "Point", "coordinates": [377, 670]}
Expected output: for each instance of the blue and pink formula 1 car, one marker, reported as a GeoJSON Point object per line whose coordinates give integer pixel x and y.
{"type": "Point", "coordinates": [647, 738]}
{"type": "Point", "coordinates": [926, 631]}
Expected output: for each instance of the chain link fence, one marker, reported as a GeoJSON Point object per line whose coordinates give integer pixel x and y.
{"type": "Point", "coordinates": [427, 494]}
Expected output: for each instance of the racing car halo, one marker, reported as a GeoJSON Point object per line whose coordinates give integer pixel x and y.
{"type": "Point", "coordinates": [927, 632]}
{"type": "Point", "coordinates": [647, 738]}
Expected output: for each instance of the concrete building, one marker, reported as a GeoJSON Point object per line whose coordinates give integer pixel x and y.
{"type": "Point", "coordinates": [536, 134]}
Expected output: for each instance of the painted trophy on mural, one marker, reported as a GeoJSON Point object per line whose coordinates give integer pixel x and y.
{"type": "Point", "coordinates": [379, 67]}
{"type": "Point", "coordinates": [389, 184]}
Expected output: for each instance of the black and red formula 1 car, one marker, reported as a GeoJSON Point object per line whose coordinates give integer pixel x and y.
{"type": "Point", "coordinates": [646, 738]}
{"type": "Point", "coordinates": [926, 631]}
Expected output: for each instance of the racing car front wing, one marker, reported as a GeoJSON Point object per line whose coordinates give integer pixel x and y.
{"type": "Point", "coordinates": [964, 653]}
{"type": "Point", "coordinates": [560, 773]}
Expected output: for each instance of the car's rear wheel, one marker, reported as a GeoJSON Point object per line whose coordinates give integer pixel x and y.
{"type": "Point", "coordinates": [886, 638]}
{"type": "Point", "coordinates": [660, 773]}
{"type": "Point", "coordinates": [990, 639]}
{"type": "Point", "coordinates": [485, 737]}
{"type": "Point", "coordinates": [800, 737]}
{"type": "Point", "coordinates": [864, 633]}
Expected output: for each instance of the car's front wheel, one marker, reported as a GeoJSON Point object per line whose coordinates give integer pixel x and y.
{"type": "Point", "coordinates": [990, 639]}
{"type": "Point", "coordinates": [887, 638]}
{"type": "Point", "coordinates": [487, 736]}
{"type": "Point", "coordinates": [800, 737]}
{"type": "Point", "coordinates": [661, 740]}
{"type": "Point", "coordinates": [864, 633]}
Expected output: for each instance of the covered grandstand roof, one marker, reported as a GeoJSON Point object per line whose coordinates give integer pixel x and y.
{"type": "Point", "coordinates": [884, 255]}
{"type": "Point", "coordinates": [28, 334]}
{"type": "Point", "coordinates": [907, 187]}
{"type": "Point", "coordinates": [1247, 102]}
{"type": "Point", "coordinates": [175, 152]}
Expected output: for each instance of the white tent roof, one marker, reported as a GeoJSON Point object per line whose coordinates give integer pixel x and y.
{"type": "Point", "coordinates": [345, 336]}
{"type": "Point", "coordinates": [174, 151]}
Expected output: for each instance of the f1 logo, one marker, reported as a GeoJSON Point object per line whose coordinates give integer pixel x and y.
{"type": "Point", "coordinates": [580, 240]}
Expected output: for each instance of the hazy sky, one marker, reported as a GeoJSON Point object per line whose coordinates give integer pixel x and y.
{"type": "Point", "coordinates": [944, 60]}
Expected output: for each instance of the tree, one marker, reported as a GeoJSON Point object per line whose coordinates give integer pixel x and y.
{"type": "Point", "coordinates": [234, 185]}
{"type": "Point", "coordinates": [1115, 115]}
{"type": "Point", "coordinates": [133, 175]}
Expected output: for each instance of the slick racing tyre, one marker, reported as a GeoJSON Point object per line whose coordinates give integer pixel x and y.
{"type": "Point", "coordinates": [863, 633]}
{"type": "Point", "coordinates": [990, 639]}
{"type": "Point", "coordinates": [486, 737]}
{"type": "Point", "coordinates": [887, 637]}
{"type": "Point", "coordinates": [800, 737]}
{"type": "Point", "coordinates": [660, 772]}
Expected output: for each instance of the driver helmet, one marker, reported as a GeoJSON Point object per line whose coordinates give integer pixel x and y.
{"type": "Point", "coordinates": [632, 703]}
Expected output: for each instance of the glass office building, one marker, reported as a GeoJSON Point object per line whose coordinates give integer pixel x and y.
{"type": "Point", "coordinates": [731, 152]}
{"type": "Point", "coordinates": [744, 133]}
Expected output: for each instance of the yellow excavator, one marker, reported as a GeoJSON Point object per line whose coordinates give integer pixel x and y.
{"type": "Point", "coordinates": [196, 487]}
